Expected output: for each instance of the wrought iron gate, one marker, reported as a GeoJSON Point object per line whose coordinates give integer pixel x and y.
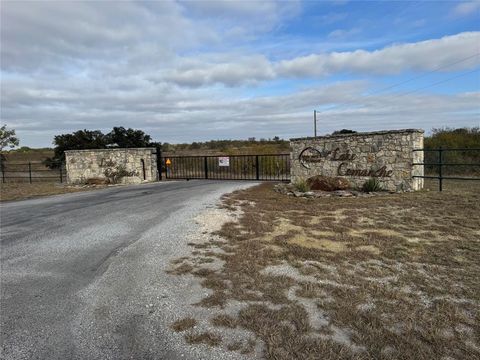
{"type": "Point", "coordinates": [228, 167]}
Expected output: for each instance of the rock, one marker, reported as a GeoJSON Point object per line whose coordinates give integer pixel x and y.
{"type": "Point", "coordinates": [343, 193]}
{"type": "Point", "coordinates": [320, 194]}
{"type": "Point", "coordinates": [326, 183]}
{"type": "Point", "coordinates": [284, 189]}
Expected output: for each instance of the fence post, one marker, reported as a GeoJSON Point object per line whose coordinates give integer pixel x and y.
{"type": "Point", "coordinates": [61, 173]}
{"type": "Point", "coordinates": [257, 170]}
{"type": "Point", "coordinates": [30, 171]}
{"type": "Point", "coordinates": [2, 167]}
{"type": "Point", "coordinates": [205, 165]}
{"type": "Point", "coordinates": [159, 162]}
{"type": "Point", "coordinates": [440, 161]}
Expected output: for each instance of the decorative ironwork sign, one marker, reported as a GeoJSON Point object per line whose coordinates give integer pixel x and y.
{"type": "Point", "coordinates": [311, 156]}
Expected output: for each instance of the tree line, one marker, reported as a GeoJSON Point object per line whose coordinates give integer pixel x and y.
{"type": "Point", "coordinates": [448, 138]}
{"type": "Point", "coordinates": [120, 137]}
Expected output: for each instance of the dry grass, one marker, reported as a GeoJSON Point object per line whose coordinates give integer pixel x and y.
{"type": "Point", "coordinates": [181, 269]}
{"type": "Point", "coordinates": [20, 191]}
{"type": "Point", "coordinates": [352, 278]}
{"type": "Point", "coordinates": [184, 324]}
{"type": "Point", "coordinates": [206, 337]}
{"type": "Point", "coordinates": [224, 321]}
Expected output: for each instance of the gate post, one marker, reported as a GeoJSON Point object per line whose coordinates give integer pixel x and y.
{"type": "Point", "coordinates": [2, 168]}
{"type": "Point", "coordinates": [30, 171]}
{"type": "Point", "coordinates": [205, 165]}
{"type": "Point", "coordinates": [159, 162]}
{"type": "Point", "coordinates": [440, 161]}
{"type": "Point", "coordinates": [257, 170]}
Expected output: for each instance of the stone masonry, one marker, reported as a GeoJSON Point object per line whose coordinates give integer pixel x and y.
{"type": "Point", "coordinates": [82, 165]}
{"type": "Point", "coordinates": [385, 155]}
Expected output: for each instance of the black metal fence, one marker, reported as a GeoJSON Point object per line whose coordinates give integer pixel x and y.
{"type": "Point", "coordinates": [450, 164]}
{"type": "Point", "coordinates": [31, 172]}
{"type": "Point", "coordinates": [233, 167]}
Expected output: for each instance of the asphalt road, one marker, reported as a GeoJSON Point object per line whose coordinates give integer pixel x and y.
{"type": "Point", "coordinates": [83, 275]}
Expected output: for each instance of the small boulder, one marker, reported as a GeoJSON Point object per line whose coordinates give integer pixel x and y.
{"type": "Point", "coordinates": [326, 183]}
{"type": "Point", "coordinates": [343, 193]}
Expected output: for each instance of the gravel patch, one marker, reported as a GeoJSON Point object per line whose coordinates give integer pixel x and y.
{"type": "Point", "coordinates": [150, 300]}
{"type": "Point", "coordinates": [84, 274]}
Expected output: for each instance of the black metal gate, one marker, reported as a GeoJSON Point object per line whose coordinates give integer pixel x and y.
{"type": "Point", "coordinates": [450, 164]}
{"type": "Point", "coordinates": [228, 167]}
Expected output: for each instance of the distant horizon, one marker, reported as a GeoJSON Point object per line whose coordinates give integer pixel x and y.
{"type": "Point", "coordinates": [427, 134]}
{"type": "Point", "coordinates": [194, 71]}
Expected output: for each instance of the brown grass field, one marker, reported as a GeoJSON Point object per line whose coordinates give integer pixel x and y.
{"type": "Point", "coordinates": [388, 277]}
{"type": "Point", "coordinates": [24, 190]}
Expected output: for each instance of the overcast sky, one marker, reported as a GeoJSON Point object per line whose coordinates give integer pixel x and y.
{"type": "Point", "coordinates": [187, 71]}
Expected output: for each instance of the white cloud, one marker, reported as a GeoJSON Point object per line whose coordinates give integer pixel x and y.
{"type": "Point", "coordinates": [426, 55]}
{"type": "Point", "coordinates": [42, 35]}
{"type": "Point", "coordinates": [421, 56]}
{"type": "Point", "coordinates": [343, 33]}
{"type": "Point", "coordinates": [176, 114]}
{"type": "Point", "coordinates": [192, 70]}
{"type": "Point", "coordinates": [467, 8]}
{"type": "Point", "coordinates": [258, 15]}
{"type": "Point", "coordinates": [244, 70]}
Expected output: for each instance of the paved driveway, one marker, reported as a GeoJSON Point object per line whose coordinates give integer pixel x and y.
{"type": "Point", "coordinates": [83, 275]}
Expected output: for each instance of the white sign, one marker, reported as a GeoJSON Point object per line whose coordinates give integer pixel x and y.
{"type": "Point", "coordinates": [223, 161]}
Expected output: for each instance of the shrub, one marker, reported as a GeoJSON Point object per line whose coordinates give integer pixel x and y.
{"type": "Point", "coordinates": [372, 185]}
{"type": "Point", "coordinates": [326, 183]}
{"type": "Point", "coordinates": [301, 185]}
{"type": "Point", "coordinates": [115, 175]}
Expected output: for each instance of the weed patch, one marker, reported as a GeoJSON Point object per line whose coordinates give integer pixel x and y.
{"type": "Point", "coordinates": [207, 338]}
{"type": "Point", "coordinates": [184, 324]}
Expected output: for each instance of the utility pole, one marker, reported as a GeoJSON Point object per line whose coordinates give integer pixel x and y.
{"type": "Point", "coordinates": [315, 123]}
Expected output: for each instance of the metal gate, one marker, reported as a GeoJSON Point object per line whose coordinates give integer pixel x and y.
{"type": "Point", "coordinates": [228, 167]}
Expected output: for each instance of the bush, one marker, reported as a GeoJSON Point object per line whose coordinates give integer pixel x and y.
{"type": "Point", "coordinates": [301, 185]}
{"type": "Point", "coordinates": [326, 183]}
{"type": "Point", "coordinates": [115, 175]}
{"type": "Point", "coordinates": [372, 185]}
{"type": "Point", "coordinates": [462, 138]}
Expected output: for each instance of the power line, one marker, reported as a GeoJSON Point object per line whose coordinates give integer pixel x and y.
{"type": "Point", "coordinates": [423, 75]}
{"type": "Point", "coordinates": [418, 77]}
{"type": "Point", "coordinates": [407, 81]}
{"type": "Point", "coordinates": [438, 82]}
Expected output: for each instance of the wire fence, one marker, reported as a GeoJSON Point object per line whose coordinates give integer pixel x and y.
{"type": "Point", "coordinates": [31, 172]}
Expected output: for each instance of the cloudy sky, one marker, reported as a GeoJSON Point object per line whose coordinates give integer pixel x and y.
{"type": "Point", "coordinates": [198, 70]}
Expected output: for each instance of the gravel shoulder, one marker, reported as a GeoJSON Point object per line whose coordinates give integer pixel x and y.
{"type": "Point", "coordinates": [83, 275]}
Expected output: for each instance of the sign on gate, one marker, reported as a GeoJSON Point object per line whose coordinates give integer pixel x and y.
{"type": "Point", "coordinates": [223, 161]}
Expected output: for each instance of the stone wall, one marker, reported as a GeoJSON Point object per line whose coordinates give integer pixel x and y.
{"type": "Point", "coordinates": [82, 165]}
{"type": "Point", "coordinates": [385, 155]}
